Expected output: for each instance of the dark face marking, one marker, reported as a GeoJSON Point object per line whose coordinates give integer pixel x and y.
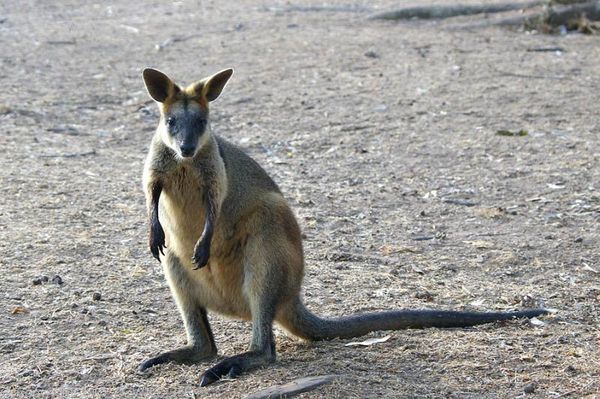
{"type": "Point", "coordinates": [186, 123]}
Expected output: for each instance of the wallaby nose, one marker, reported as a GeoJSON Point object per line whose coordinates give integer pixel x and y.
{"type": "Point", "coordinates": [187, 150]}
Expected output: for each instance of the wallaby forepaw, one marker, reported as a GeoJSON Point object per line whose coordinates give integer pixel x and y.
{"type": "Point", "coordinates": [225, 368]}
{"type": "Point", "coordinates": [157, 241]}
{"type": "Point", "coordinates": [201, 254]}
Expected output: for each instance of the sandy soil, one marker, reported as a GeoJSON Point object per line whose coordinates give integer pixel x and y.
{"type": "Point", "coordinates": [382, 136]}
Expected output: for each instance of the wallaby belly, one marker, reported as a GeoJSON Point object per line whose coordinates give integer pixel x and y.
{"type": "Point", "coordinates": [218, 285]}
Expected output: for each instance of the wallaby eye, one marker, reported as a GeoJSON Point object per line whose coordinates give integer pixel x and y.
{"type": "Point", "coordinates": [170, 121]}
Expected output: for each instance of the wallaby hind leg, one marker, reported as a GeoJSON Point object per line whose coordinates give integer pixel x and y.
{"type": "Point", "coordinates": [263, 298]}
{"type": "Point", "coordinates": [200, 341]}
{"type": "Point", "coordinates": [261, 352]}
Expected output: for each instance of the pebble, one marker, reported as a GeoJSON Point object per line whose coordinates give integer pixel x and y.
{"type": "Point", "coordinates": [424, 295]}
{"type": "Point", "coordinates": [57, 280]}
{"type": "Point", "coordinates": [371, 54]}
{"type": "Point", "coordinates": [529, 388]}
{"type": "Point", "coordinates": [96, 296]}
{"type": "Point", "coordinates": [40, 280]}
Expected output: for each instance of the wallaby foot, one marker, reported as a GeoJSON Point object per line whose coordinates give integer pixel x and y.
{"type": "Point", "coordinates": [233, 366]}
{"type": "Point", "coordinates": [186, 355]}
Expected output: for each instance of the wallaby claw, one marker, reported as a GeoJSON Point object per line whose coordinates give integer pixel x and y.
{"type": "Point", "coordinates": [145, 365]}
{"type": "Point", "coordinates": [208, 378]}
{"type": "Point", "coordinates": [201, 254]}
{"type": "Point", "coordinates": [223, 369]}
{"type": "Point", "coordinates": [157, 242]}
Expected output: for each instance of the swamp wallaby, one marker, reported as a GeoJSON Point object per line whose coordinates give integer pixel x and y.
{"type": "Point", "coordinates": [229, 242]}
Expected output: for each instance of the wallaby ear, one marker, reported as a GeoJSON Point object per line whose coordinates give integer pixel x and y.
{"type": "Point", "coordinates": [213, 85]}
{"type": "Point", "coordinates": [159, 86]}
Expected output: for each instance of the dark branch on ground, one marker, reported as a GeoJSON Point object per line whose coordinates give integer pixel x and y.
{"type": "Point", "coordinates": [440, 12]}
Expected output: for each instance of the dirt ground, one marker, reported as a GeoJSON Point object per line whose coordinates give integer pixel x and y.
{"type": "Point", "coordinates": [382, 135]}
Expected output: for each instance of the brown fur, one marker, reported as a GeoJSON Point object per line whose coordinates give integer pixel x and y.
{"type": "Point", "coordinates": [219, 201]}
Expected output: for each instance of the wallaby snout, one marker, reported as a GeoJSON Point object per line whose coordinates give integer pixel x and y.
{"type": "Point", "coordinates": [187, 150]}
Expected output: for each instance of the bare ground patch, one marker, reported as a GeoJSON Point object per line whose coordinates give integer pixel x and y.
{"type": "Point", "coordinates": [383, 137]}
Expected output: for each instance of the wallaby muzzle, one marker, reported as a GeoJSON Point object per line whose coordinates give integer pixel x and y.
{"type": "Point", "coordinates": [188, 139]}
{"type": "Point", "coordinates": [187, 150]}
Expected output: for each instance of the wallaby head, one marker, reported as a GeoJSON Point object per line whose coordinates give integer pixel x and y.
{"type": "Point", "coordinates": [184, 125]}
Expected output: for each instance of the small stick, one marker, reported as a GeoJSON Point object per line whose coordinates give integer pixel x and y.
{"type": "Point", "coordinates": [292, 388]}
{"type": "Point", "coordinates": [69, 155]}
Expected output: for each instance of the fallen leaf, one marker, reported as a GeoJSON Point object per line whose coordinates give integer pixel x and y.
{"type": "Point", "coordinates": [417, 270]}
{"type": "Point", "coordinates": [478, 303]}
{"type": "Point", "coordinates": [589, 268]}
{"type": "Point", "coordinates": [480, 244]}
{"type": "Point", "coordinates": [508, 133]}
{"type": "Point", "coordinates": [536, 322]}
{"type": "Point", "coordinates": [19, 310]}
{"type": "Point", "coordinates": [490, 213]}
{"type": "Point", "coordinates": [369, 342]}
{"type": "Point", "coordinates": [393, 249]}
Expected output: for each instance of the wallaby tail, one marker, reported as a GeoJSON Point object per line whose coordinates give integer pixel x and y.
{"type": "Point", "coordinates": [307, 325]}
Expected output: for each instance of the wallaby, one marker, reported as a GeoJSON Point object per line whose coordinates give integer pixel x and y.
{"type": "Point", "coordinates": [229, 242]}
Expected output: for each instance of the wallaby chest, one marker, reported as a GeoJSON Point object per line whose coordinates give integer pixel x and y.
{"type": "Point", "coordinates": [183, 208]}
